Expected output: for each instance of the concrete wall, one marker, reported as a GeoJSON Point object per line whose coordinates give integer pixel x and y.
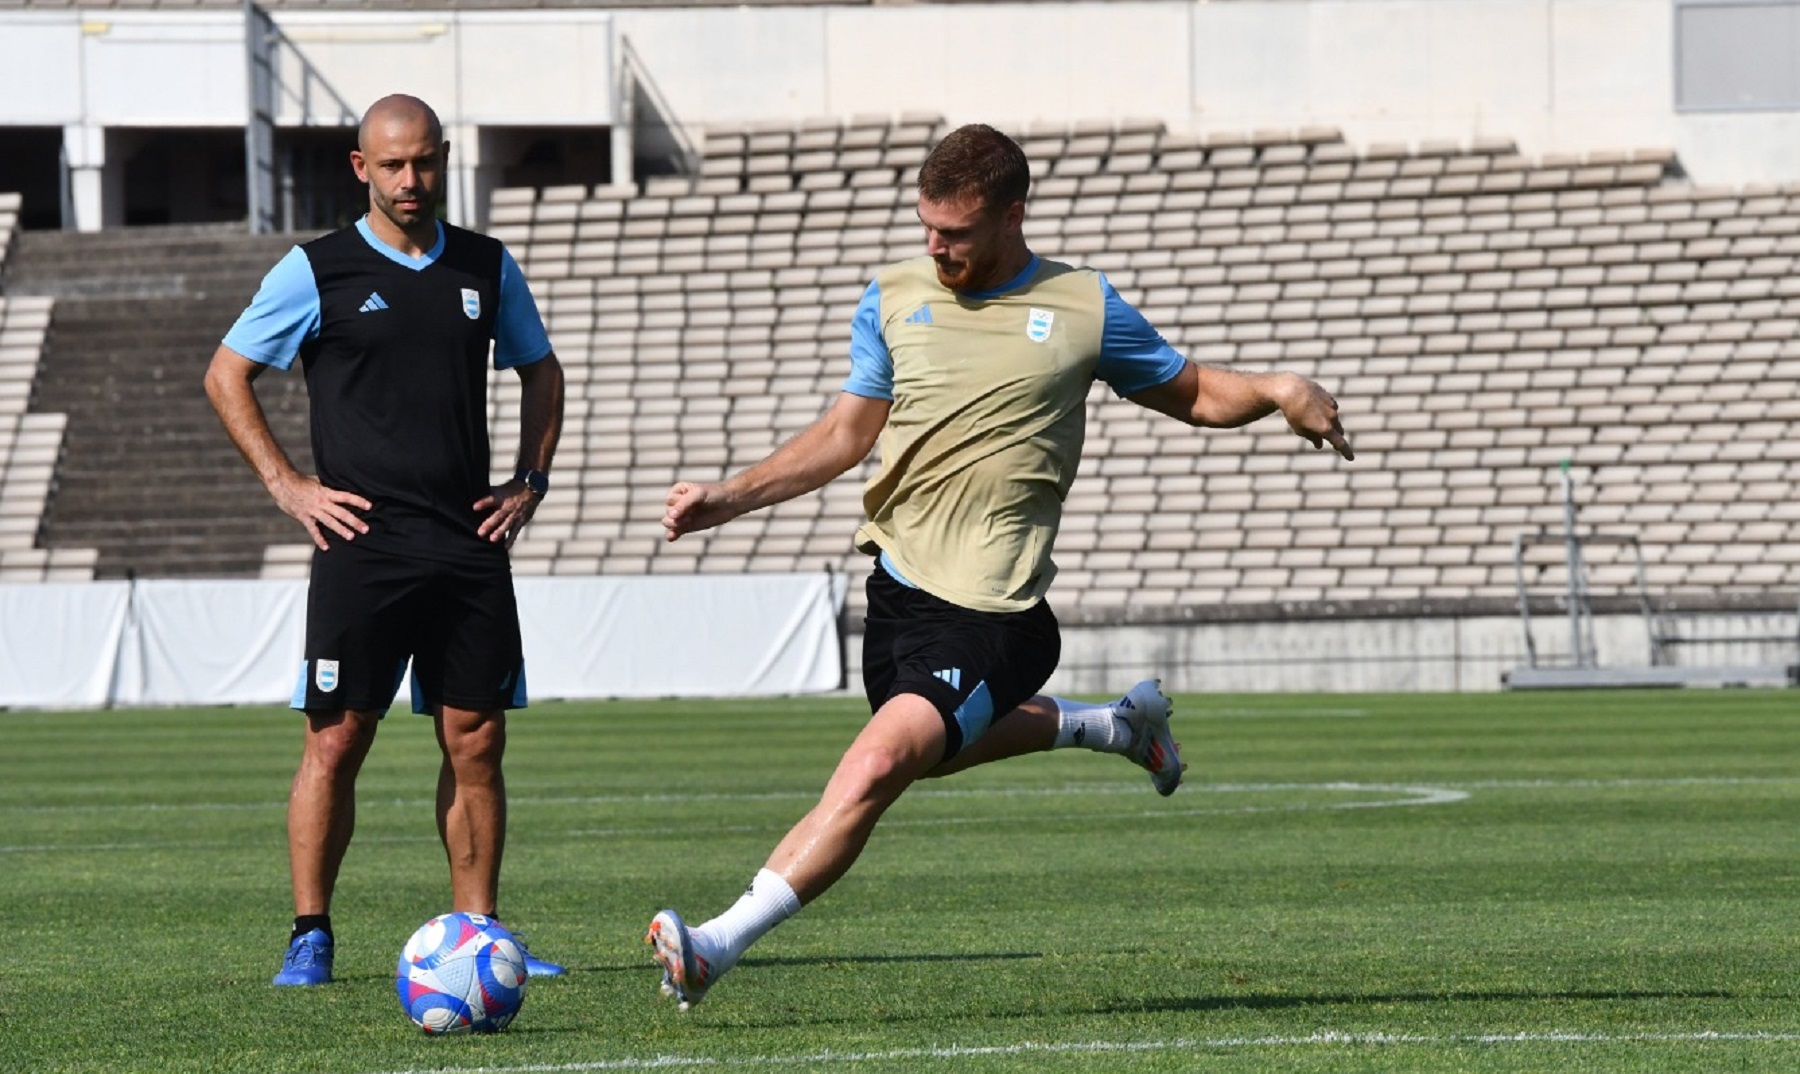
{"type": "Point", "coordinates": [1375, 655]}
{"type": "Point", "coordinates": [1554, 75]}
{"type": "Point", "coordinates": [96, 73]}
{"type": "Point", "coordinates": [136, 68]}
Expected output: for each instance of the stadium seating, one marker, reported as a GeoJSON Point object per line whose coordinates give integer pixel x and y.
{"type": "Point", "coordinates": [9, 226]}
{"type": "Point", "coordinates": [139, 457]}
{"type": "Point", "coordinates": [30, 444]}
{"type": "Point", "coordinates": [1481, 316]}
{"type": "Point", "coordinates": [30, 448]}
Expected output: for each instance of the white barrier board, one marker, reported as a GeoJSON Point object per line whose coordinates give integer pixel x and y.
{"type": "Point", "coordinates": [60, 643]}
{"type": "Point", "coordinates": [179, 642]}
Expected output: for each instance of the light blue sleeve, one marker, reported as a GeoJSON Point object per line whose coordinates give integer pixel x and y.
{"type": "Point", "coordinates": [283, 315]}
{"type": "Point", "coordinates": [1133, 355]}
{"type": "Point", "coordinates": [871, 366]}
{"type": "Point", "coordinates": [519, 336]}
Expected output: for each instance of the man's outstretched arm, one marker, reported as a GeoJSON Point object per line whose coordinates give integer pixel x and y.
{"type": "Point", "coordinates": [1223, 399]}
{"type": "Point", "coordinates": [840, 439]}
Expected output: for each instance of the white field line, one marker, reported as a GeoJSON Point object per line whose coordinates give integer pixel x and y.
{"type": "Point", "coordinates": [1132, 787]}
{"type": "Point", "coordinates": [922, 790]}
{"type": "Point", "coordinates": [1621, 784]}
{"type": "Point", "coordinates": [1407, 796]}
{"type": "Point", "coordinates": [1322, 1039]}
{"type": "Point", "coordinates": [1392, 796]}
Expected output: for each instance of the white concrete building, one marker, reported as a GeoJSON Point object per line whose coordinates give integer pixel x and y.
{"type": "Point", "coordinates": [112, 115]}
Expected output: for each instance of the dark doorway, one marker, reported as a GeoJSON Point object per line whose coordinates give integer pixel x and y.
{"type": "Point", "coordinates": [551, 156]}
{"type": "Point", "coordinates": [31, 166]}
{"type": "Point", "coordinates": [182, 176]}
{"type": "Point", "coordinates": [316, 189]}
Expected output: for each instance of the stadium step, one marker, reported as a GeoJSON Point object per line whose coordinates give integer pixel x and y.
{"type": "Point", "coordinates": [147, 476]}
{"type": "Point", "coordinates": [141, 262]}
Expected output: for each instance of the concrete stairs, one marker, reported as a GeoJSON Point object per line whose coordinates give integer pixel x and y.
{"type": "Point", "coordinates": [148, 476]}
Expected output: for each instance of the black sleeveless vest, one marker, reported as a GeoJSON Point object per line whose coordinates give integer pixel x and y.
{"type": "Point", "coordinates": [397, 380]}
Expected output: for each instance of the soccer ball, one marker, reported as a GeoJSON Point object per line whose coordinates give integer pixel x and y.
{"type": "Point", "coordinates": [461, 973]}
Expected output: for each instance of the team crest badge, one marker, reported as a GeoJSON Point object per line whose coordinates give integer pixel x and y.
{"type": "Point", "coordinates": [326, 675]}
{"type": "Point", "coordinates": [471, 303]}
{"type": "Point", "coordinates": [1037, 327]}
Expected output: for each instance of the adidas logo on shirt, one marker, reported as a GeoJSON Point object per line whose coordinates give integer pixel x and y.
{"type": "Point", "coordinates": [922, 315]}
{"type": "Point", "coordinates": [953, 677]}
{"type": "Point", "coordinates": [372, 303]}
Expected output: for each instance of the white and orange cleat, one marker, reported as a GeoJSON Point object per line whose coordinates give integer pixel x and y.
{"type": "Point", "coordinates": [1145, 709]}
{"type": "Point", "coordinates": [686, 972]}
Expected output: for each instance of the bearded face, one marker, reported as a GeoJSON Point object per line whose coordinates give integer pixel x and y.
{"type": "Point", "coordinates": [974, 247]}
{"type": "Point", "coordinates": [404, 167]}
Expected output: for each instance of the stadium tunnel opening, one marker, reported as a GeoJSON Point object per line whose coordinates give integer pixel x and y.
{"type": "Point", "coordinates": [178, 176]}
{"type": "Point", "coordinates": [549, 156]}
{"type": "Point", "coordinates": [316, 189]}
{"type": "Point", "coordinates": [161, 176]}
{"type": "Point", "coordinates": [31, 166]}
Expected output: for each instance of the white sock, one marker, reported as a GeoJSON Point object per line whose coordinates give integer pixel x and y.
{"type": "Point", "coordinates": [1092, 726]}
{"type": "Point", "coordinates": [766, 903]}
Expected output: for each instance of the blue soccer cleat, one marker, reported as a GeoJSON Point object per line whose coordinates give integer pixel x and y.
{"type": "Point", "coordinates": [534, 966]}
{"type": "Point", "coordinates": [537, 967]}
{"type": "Point", "coordinates": [308, 960]}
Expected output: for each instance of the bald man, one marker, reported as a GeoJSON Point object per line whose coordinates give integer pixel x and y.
{"type": "Point", "coordinates": [393, 319]}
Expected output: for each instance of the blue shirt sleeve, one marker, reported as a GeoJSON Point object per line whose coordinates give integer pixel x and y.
{"type": "Point", "coordinates": [1133, 355]}
{"type": "Point", "coordinates": [871, 366]}
{"type": "Point", "coordinates": [519, 336]}
{"type": "Point", "coordinates": [283, 315]}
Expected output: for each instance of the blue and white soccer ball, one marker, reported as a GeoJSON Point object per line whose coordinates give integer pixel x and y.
{"type": "Point", "coordinates": [461, 973]}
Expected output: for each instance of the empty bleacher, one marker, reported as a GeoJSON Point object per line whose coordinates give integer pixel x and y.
{"type": "Point", "coordinates": [30, 444]}
{"type": "Point", "coordinates": [9, 226]}
{"type": "Point", "coordinates": [30, 449]}
{"type": "Point", "coordinates": [146, 483]}
{"type": "Point", "coordinates": [1482, 316]}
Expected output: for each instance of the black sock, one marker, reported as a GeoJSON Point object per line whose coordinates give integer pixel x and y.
{"type": "Point", "coordinates": [308, 922]}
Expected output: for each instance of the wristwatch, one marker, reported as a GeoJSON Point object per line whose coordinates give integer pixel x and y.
{"type": "Point", "coordinates": [536, 480]}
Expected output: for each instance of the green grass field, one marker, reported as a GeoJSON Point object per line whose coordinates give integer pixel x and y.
{"type": "Point", "coordinates": [1579, 882]}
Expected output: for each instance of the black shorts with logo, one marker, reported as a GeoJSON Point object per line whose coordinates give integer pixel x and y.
{"type": "Point", "coordinates": [367, 612]}
{"type": "Point", "coordinates": [974, 666]}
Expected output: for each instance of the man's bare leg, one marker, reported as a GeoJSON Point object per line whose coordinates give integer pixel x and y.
{"type": "Point", "coordinates": [471, 805]}
{"type": "Point", "coordinates": [322, 803]}
{"type": "Point", "coordinates": [900, 743]}
{"type": "Point", "coordinates": [321, 819]}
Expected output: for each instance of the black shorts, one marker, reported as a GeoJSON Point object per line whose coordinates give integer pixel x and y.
{"type": "Point", "coordinates": [367, 612]}
{"type": "Point", "coordinates": [972, 665]}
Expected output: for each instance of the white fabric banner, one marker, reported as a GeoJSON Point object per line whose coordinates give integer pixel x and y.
{"type": "Point", "coordinates": [700, 635]}
{"type": "Point", "coordinates": [60, 643]}
{"type": "Point", "coordinates": [213, 643]}
{"type": "Point", "coordinates": [178, 642]}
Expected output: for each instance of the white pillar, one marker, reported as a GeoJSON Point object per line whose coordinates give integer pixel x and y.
{"type": "Point", "coordinates": [465, 206]}
{"type": "Point", "coordinates": [85, 148]}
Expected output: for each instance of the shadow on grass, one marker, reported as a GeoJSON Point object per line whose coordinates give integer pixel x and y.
{"type": "Point", "coordinates": [873, 960]}
{"type": "Point", "coordinates": [1204, 1004]}
{"type": "Point", "coordinates": [647, 966]}
{"type": "Point", "coordinates": [1270, 1003]}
